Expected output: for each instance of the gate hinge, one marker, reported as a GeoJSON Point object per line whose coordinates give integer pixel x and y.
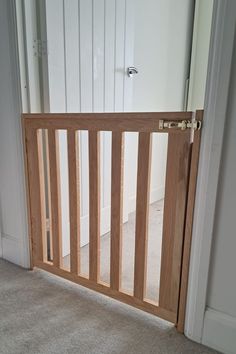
{"type": "Point", "coordinates": [182, 125]}
{"type": "Point", "coordinates": [40, 48]}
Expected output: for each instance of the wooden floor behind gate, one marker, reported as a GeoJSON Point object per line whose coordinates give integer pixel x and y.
{"type": "Point", "coordinates": [180, 178]}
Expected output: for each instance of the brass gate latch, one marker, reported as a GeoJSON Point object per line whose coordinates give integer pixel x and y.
{"type": "Point", "coordinates": [182, 125]}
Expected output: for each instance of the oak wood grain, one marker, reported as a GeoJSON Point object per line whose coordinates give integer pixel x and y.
{"type": "Point", "coordinates": [42, 191]}
{"type": "Point", "coordinates": [177, 175]}
{"type": "Point", "coordinates": [179, 195]}
{"type": "Point", "coordinates": [142, 211]}
{"type": "Point", "coordinates": [94, 205]}
{"type": "Point", "coordinates": [47, 176]}
{"type": "Point", "coordinates": [35, 194]}
{"type": "Point", "coordinates": [189, 224]}
{"type": "Point", "coordinates": [116, 209]}
{"type": "Point", "coordinates": [53, 152]}
{"type": "Point", "coordinates": [74, 198]}
{"type": "Point", "coordinates": [136, 122]}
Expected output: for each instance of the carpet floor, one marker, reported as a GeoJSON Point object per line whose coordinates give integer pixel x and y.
{"type": "Point", "coordinates": [41, 313]}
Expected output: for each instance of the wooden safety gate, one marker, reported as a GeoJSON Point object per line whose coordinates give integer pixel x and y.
{"type": "Point", "coordinates": [181, 173]}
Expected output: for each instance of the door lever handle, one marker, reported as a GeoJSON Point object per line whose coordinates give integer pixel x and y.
{"type": "Point", "coordinates": [131, 71]}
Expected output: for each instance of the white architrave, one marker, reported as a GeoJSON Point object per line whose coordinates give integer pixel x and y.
{"type": "Point", "coordinates": [219, 67]}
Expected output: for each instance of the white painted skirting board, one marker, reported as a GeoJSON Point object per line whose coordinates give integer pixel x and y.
{"type": "Point", "coordinates": [8, 241]}
{"type": "Point", "coordinates": [105, 225]}
{"type": "Point", "coordinates": [12, 250]}
{"type": "Point", "coordinates": [155, 195]}
{"type": "Point", "coordinates": [84, 228]}
{"type": "Point", "coordinates": [219, 331]}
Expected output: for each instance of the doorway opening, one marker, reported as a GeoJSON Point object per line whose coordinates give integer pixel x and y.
{"type": "Point", "coordinates": [82, 57]}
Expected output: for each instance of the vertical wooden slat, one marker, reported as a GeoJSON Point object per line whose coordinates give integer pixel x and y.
{"type": "Point", "coordinates": [27, 184]}
{"type": "Point", "coordinates": [142, 209]}
{"type": "Point", "coordinates": [177, 174]}
{"type": "Point", "coordinates": [36, 194]}
{"type": "Point", "coordinates": [94, 206]}
{"type": "Point", "coordinates": [50, 253]}
{"type": "Point", "coordinates": [74, 205]}
{"type": "Point", "coordinates": [42, 192]}
{"type": "Point", "coordinates": [116, 209]}
{"type": "Point", "coordinates": [189, 225]}
{"type": "Point", "coordinates": [53, 150]}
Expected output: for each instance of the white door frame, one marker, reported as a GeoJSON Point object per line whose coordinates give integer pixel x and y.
{"type": "Point", "coordinates": [217, 87]}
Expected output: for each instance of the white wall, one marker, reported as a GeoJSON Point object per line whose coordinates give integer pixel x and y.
{"type": "Point", "coordinates": [12, 195]}
{"type": "Point", "coordinates": [220, 318]}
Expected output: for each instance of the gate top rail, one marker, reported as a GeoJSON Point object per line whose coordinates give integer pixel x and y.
{"type": "Point", "coordinates": [119, 122]}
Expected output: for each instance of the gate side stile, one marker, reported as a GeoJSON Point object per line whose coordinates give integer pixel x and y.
{"type": "Point", "coordinates": [189, 224]}
{"type": "Point", "coordinates": [27, 187]}
{"type": "Point", "coordinates": [177, 174]}
{"type": "Point", "coordinates": [36, 197]}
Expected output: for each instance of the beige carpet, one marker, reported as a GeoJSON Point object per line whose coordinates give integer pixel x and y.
{"type": "Point", "coordinates": [42, 314]}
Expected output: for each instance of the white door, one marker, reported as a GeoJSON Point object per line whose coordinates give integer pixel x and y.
{"type": "Point", "coordinates": [90, 45]}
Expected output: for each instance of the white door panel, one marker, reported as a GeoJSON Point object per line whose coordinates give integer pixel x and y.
{"type": "Point", "coordinates": [88, 53]}
{"type": "Point", "coordinates": [90, 45]}
{"type": "Point", "coordinates": [72, 55]}
{"type": "Point", "coordinates": [162, 43]}
{"type": "Point", "coordinates": [58, 98]}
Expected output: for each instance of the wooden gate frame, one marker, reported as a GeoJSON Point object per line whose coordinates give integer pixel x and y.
{"type": "Point", "coordinates": [117, 123]}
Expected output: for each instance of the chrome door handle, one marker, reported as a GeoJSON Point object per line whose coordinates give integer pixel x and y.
{"type": "Point", "coordinates": [131, 71]}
